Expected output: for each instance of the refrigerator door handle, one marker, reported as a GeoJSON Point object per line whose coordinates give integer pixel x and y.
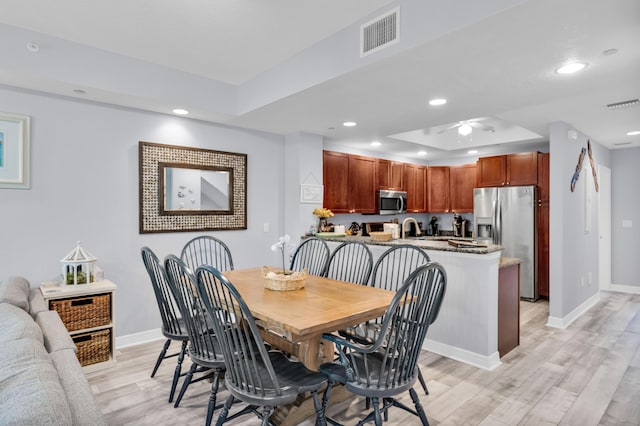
{"type": "Point", "coordinates": [497, 219]}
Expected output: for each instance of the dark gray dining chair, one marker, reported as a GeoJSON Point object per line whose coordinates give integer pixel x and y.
{"type": "Point", "coordinates": [254, 375]}
{"type": "Point", "coordinates": [173, 328]}
{"type": "Point", "coordinates": [204, 349]}
{"type": "Point", "coordinates": [351, 261]}
{"type": "Point", "coordinates": [389, 272]}
{"type": "Point", "coordinates": [313, 254]}
{"type": "Point", "coordinates": [207, 250]}
{"type": "Point", "coordinates": [389, 366]}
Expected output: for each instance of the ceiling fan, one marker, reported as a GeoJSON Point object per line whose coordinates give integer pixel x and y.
{"type": "Point", "coordinates": [465, 127]}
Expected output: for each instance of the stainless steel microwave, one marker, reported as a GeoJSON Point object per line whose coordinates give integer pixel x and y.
{"type": "Point", "coordinates": [392, 202]}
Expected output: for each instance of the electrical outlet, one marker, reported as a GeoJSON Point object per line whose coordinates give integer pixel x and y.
{"type": "Point", "coordinates": [266, 227]}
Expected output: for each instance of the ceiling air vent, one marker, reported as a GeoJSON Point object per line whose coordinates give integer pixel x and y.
{"type": "Point", "coordinates": [623, 104]}
{"type": "Point", "coordinates": [380, 32]}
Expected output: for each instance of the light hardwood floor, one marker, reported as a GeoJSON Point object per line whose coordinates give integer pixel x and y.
{"type": "Point", "coordinates": [587, 374]}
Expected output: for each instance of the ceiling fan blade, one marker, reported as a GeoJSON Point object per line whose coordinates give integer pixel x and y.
{"type": "Point", "coordinates": [453, 126]}
{"type": "Point", "coordinates": [481, 126]}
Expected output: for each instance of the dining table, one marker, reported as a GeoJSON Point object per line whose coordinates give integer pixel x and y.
{"type": "Point", "coordinates": [294, 321]}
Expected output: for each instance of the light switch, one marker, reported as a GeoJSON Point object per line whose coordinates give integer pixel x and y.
{"type": "Point", "coordinates": [627, 224]}
{"type": "Point", "coordinates": [266, 227]}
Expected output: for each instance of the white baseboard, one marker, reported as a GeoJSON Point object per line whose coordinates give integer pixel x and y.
{"type": "Point", "coordinates": [624, 288]}
{"type": "Point", "coordinates": [566, 321]}
{"type": "Point", "coordinates": [138, 338]}
{"type": "Point", "coordinates": [490, 362]}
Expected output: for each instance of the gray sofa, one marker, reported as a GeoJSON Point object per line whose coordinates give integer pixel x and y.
{"type": "Point", "coordinates": [41, 381]}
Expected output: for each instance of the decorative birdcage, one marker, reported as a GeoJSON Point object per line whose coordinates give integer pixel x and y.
{"type": "Point", "coordinates": [78, 267]}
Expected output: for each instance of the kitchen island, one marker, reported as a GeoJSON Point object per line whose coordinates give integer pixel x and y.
{"type": "Point", "coordinates": [467, 326]}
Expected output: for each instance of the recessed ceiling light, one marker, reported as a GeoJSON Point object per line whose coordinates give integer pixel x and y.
{"type": "Point", "coordinates": [634, 133]}
{"type": "Point", "coordinates": [33, 47]}
{"type": "Point", "coordinates": [472, 151]}
{"type": "Point", "coordinates": [349, 123]}
{"type": "Point", "coordinates": [375, 143]}
{"type": "Point", "coordinates": [422, 152]}
{"type": "Point", "coordinates": [571, 68]}
{"type": "Point", "coordinates": [437, 102]}
{"type": "Point", "coordinates": [180, 111]}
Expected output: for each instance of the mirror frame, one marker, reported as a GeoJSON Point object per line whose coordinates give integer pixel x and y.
{"type": "Point", "coordinates": [153, 157]}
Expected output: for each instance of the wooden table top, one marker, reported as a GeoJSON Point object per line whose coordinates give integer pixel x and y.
{"type": "Point", "coordinates": [322, 306]}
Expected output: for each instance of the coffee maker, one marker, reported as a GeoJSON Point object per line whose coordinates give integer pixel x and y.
{"type": "Point", "coordinates": [433, 226]}
{"type": "Point", "coordinates": [459, 226]}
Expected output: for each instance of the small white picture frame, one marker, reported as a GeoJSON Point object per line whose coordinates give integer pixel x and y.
{"type": "Point", "coordinates": [311, 193]}
{"type": "Point", "coordinates": [14, 151]}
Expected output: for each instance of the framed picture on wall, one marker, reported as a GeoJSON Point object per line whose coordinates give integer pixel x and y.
{"type": "Point", "coordinates": [14, 151]}
{"type": "Point", "coordinates": [311, 193]}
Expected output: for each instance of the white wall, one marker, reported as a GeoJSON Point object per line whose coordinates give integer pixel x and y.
{"type": "Point", "coordinates": [84, 186]}
{"type": "Point", "coordinates": [625, 207]}
{"type": "Point", "coordinates": [573, 251]}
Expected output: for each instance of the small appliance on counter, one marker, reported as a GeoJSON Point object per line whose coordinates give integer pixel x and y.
{"type": "Point", "coordinates": [393, 229]}
{"type": "Point", "coordinates": [460, 226]}
{"type": "Point", "coordinates": [433, 226]}
{"type": "Point", "coordinates": [368, 227]}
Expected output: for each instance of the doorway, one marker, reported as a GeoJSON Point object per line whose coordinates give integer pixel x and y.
{"type": "Point", "coordinates": [604, 228]}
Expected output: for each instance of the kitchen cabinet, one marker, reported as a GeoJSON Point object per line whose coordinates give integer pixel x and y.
{"type": "Point", "coordinates": [362, 184]}
{"type": "Point", "coordinates": [415, 182]}
{"type": "Point", "coordinates": [543, 224]}
{"type": "Point", "coordinates": [462, 181]}
{"type": "Point", "coordinates": [508, 170]}
{"type": "Point", "coordinates": [438, 189]}
{"type": "Point", "coordinates": [349, 183]}
{"type": "Point", "coordinates": [390, 174]}
{"type": "Point", "coordinates": [335, 172]}
{"type": "Point", "coordinates": [508, 307]}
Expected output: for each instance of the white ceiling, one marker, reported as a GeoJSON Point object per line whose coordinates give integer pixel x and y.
{"type": "Point", "coordinates": [292, 66]}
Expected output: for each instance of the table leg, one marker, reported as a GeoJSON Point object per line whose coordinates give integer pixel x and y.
{"type": "Point", "coordinates": [315, 351]}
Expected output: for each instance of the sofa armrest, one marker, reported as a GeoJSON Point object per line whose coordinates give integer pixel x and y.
{"type": "Point", "coordinates": [37, 303]}
{"type": "Point", "coordinates": [56, 336]}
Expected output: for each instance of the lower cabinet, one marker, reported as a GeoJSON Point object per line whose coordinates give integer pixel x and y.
{"type": "Point", "coordinates": [508, 308]}
{"type": "Point", "coordinates": [87, 310]}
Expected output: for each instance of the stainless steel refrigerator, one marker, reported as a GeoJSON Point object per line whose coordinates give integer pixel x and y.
{"type": "Point", "coordinates": [507, 216]}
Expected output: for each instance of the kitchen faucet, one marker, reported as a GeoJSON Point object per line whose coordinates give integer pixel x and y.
{"type": "Point", "coordinates": [404, 227]}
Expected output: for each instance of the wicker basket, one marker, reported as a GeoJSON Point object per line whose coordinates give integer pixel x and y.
{"type": "Point", "coordinates": [276, 280]}
{"type": "Point", "coordinates": [78, 313]}
{"type": "Point", "coordinates": [380, 236]}
{"type": "Point", "coordinates": [93, 347]}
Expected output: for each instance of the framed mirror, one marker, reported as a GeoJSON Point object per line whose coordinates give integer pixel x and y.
{"type": "Point", "coordinates": [191, 189]}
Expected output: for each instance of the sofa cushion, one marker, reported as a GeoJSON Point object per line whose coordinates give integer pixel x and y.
{"type": "Point", "coordinates": [17, 324]}
{"type": "Point", "coordinates": [31, 393]}
{"type": "Point", "coordinates": [83, 406]}
{"type": "Point", "coordinates": [15, 290]}
{"type": "Point", "coordinates": [56, 336]}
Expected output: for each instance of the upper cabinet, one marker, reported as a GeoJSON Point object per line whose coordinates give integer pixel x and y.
{"type": "Point", "coordinates": [349, 183]}
{"type": "Point", "coordinates": [508, 170]}
{"type": "Point", "coordinates": [335, 172]}
{"type": "Point", "coordinates": [415, 182]}
{"type": "Point", "coordinates": [390, 174]}
{"type": "Point", "coordinates": [438, 200]}
{"type": "Point", "coordinates": [362, 184]}
{"type": "Point", "coordinates": [462, 181]}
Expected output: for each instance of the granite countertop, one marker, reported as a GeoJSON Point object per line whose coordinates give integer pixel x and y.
{"type": "Point", "coordinates": [505, 262]}
{"type": "Point", "coordinates": [428, 243]}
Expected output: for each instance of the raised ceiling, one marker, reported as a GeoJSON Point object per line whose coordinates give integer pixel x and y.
{"type": "Point", "coordinates": [294, 66]}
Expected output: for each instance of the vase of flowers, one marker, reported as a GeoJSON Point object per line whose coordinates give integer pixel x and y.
{"type": "Point", "coordinates": [283, 279]}
{"type": "Point", "coordinates": [322, 214]}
